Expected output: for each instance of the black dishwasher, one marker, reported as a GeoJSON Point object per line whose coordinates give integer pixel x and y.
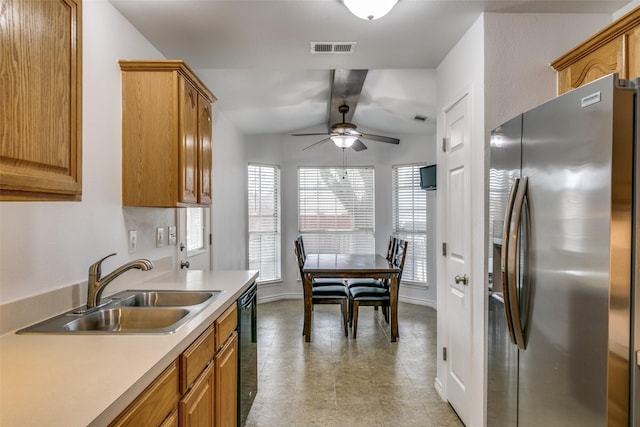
{"type": "Point", "coordinates": [247, 352]}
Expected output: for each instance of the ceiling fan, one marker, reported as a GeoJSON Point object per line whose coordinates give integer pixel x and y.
{"type": "Point", "coordinates": [346, 86]}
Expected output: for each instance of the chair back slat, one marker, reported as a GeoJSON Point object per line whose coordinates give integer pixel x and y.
{"type": "Point", "coordinates": [400, 256]}
{"type": "Point", "coordinates": [299, 255]}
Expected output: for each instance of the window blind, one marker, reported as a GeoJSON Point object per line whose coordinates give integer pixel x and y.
{"type": "Point", "coordinates": [410, 220]}
{"type": "Point", "coordinates": [195, 229]}
{"type": "Point", "coordinates": [264, 221]}
{"type": "Point", "coordinates": [336, 209]}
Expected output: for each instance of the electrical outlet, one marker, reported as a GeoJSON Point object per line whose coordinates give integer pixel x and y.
{"type": "Point", "coordinates": [159, 237]}
{"type": "Point", "coordinates": [172, 235]}
{"type": "Point", "coordinates": [133, 241]}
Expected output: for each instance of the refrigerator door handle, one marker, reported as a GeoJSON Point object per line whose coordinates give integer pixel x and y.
{"type": "Point", "coordinates": [512, 262]}
{"type": "Point", "coordinates": [504, 262]}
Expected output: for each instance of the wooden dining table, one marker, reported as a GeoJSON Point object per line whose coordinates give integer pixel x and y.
{"type": "Point", "coordinates": [349, 266]}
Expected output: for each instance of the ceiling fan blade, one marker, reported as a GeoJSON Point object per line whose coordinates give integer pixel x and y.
{"type": "Point", "coordinates": [309, 134]}
{"type": "Point", "coordinates": [358, 145]}
{"type": "Point", "coordinates": [380, 138]}
{"type": "Point", "coordinates": [315, 144]}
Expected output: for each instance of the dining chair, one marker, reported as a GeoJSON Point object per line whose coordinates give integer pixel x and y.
{"type": "Point", "coordinates": [374, 295]}
{"type": "Point", "coordinates": [326, 293]}
{"type": "Point", "coordinates": [325, 281]}
{"type": "Point", "coordinates": [391, 248]}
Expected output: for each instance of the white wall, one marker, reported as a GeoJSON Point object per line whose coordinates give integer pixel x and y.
{"type": "Point", "coordinates": [286, 151]}
{"type": "Point", "coordinates": [48, 246]}
{"type": "Point", "coordinates": [44, 246]}
{"type": "Point", "coordinates": [229, 205]}
{"type": "Point", "coordinates": [502, 62]}
{"type": "Point", "coordinates": [462, 73]}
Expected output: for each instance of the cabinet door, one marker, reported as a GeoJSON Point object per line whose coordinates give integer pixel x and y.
{"type": "Point", "coordinates": [188, 150]}
{"type": "Point", "coordinates": [204, 151]}
{"type": "Point", "coordinates": [196, 408]}
{"type": "Point", "coordinates": [41, 100]}
{"type": "Point", "coordinates": [227, 383]}
{"type": "Point", "coordinates": [152, 407]}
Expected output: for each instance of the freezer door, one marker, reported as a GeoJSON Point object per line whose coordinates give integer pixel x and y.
{"type": "Point", "coordinates": [577, 155]}
{"type": "Point", "coordinates": [502, 385]}
{"type": "Point", "coordinates": [502, 365]}
{"type": "Point", "coordinates": [505, 163]}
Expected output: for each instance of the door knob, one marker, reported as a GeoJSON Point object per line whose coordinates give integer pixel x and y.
{"type": "Point", "coordinates": [184, 264]}
{"type": "Point", "coordinates": [461, 279]}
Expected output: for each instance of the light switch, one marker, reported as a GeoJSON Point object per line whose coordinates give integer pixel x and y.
{"type": "Point", "coordinates": [159, 237]}
{"type": "Point", "coordinates": [172, 235]}
{"type": "Point", "coordinates": [133, 241]}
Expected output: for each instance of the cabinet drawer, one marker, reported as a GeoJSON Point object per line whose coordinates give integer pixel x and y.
{"type": "Point", "coordinates": [155, 403]}
{"type": "Point", "coordinates": [195, 358]}
{"type": "Point", "coordinates": [226, 324]}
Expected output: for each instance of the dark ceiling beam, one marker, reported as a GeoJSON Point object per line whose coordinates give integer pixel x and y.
{"type": "Point", "coordinates": [346, 86]}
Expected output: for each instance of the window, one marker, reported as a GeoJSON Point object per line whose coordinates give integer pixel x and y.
{"type": "Point", "coordinates": [195, 230]}
{"type": "Point", "coordinates": [264, 221]}
{"type": "Point", "coordinates": [336, 209]}
{"type": "Point", "coordinates": [410, 220]}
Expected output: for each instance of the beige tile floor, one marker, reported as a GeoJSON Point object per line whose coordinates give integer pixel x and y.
{"type": "Point", "coordinates": [339, 381]}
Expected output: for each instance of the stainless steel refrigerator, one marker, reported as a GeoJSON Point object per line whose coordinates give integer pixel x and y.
{"type": "Point", "coordinates": [561, 350]}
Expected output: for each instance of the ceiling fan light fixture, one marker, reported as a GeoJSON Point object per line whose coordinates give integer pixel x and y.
{"type": "Point", "coordinates": [343, 141]}
{"type": "Point", "coordinates": [369, 9]}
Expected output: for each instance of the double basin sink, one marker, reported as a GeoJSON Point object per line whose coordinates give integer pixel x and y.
{"type": "Point", "coordinates": [130, 312]}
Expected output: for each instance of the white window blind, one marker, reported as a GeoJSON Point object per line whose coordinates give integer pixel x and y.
{"type": "Point", "coordinates": [264, 221]}
{"type": "Point", "coordinates": [195, 230]}
{"type": "Point", "coordinates": [336, 209]}
{"type": "Point", "coordinates": [410, 220]}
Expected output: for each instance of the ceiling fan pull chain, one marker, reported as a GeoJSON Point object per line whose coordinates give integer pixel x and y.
{"type": "Point", "coordinates": [344, 163]}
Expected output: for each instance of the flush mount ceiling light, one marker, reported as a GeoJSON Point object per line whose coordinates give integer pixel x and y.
{"type": "Point", "coordinates": [369, 9]}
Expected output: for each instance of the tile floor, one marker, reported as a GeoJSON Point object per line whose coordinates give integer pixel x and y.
{"type": "Point", "coordinates": [339, 381]}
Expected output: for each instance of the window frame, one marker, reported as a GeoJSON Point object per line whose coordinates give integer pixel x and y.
{"type": "Point", "coordinates": [416, 207]}
{"type": "Point", "coordinates": [276, 200]}
{"type": "Point", "coordinates": [360, 238]}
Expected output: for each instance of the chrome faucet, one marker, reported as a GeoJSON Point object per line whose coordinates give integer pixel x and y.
{"type": "Point", "coordinates": [97, 283]}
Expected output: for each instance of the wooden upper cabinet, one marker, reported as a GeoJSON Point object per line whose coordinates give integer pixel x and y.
{"type": "Point", "coordinates": [41, 100]}
{"type": "Point", "coordinates": [615, 49]}
{"type": "Point", "coordinates": [166, 135]}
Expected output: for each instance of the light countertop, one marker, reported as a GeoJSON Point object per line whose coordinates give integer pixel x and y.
{"type": "Point", "coordinates": [80, 380]}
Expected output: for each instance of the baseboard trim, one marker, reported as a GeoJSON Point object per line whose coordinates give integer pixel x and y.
{"type": "Point", "coordinates": [279, 297]}
{"type": "Point", "coordinates": [418, 301]}
{"type": "Point", "coordinates": [440, 389]}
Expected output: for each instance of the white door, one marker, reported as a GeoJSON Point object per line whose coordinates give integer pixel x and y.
{"type": "Point", "coordinates": [457, 266]}
{"type": "Point", "coordinates": [194, 245]}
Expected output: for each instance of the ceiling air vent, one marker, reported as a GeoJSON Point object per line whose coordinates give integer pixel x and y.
{"type": "Point", "coordinates": [420, 118]}
{"type": "Point", "coordinates": [333, 47]}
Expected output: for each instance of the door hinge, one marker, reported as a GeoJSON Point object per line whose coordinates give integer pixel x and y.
{"type": "Point", "coordinates": [444, 249]}
{"type": "Point", "coordinates": [444, 144]}
{"type": "Point", "coordinates": [444, 353]}
{"type": "Point", "coordinates": [210, 239]}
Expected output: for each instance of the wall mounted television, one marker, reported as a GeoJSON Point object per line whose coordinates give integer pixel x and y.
{"type": "Point", "coordinates": [428, 177]}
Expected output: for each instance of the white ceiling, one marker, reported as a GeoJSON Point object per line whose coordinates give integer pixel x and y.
{"type": "Point", "coordinates": [255, 55]}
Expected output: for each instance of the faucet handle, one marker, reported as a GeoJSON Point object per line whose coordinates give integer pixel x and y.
{"type": "Point", "coordinates": [96, 268]}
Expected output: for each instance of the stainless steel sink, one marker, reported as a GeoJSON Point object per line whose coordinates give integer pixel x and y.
{"type": "Point", "coordinates": [128, 320]}
{"type": "Point", "coordinates": [130, 312]}
{"type": "Point", "coordinates": [163, 298]}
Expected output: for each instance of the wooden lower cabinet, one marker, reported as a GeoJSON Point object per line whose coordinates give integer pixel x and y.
{"type": "Point", "coordinates": [199, 388]}
{"type": "Point", "coordinates": [196, 407]}
{"type": "Point", "coordinates": [171, 420]}
{"type": "Point", "coordinates": [155, 405]}
{"type": "Point", "coordinates": [226, 390]}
